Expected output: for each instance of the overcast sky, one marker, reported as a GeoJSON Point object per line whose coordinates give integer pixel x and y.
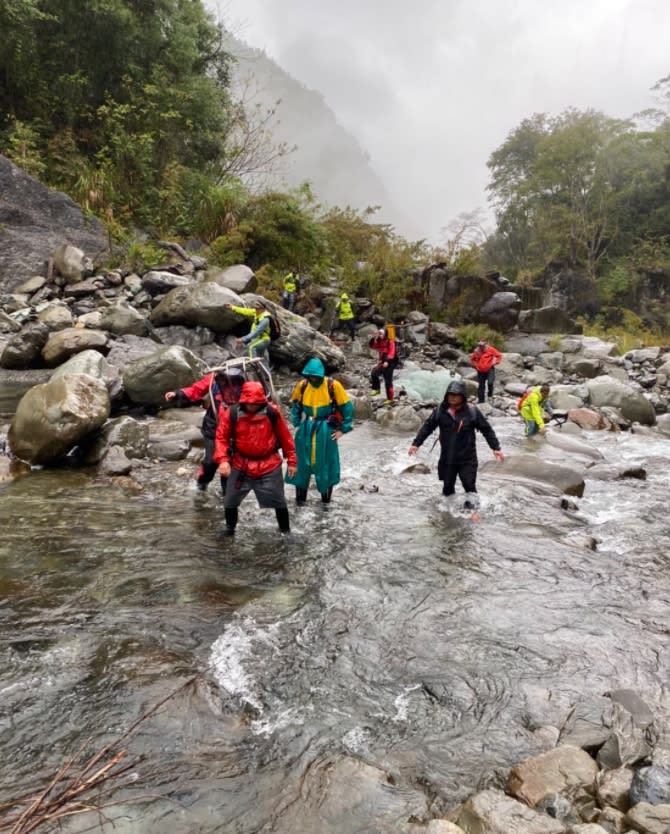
{"type": "Point", "coordinates": [431, 87]}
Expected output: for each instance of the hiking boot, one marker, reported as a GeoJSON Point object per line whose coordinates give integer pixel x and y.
{"type": "Point", "coordinates": [389, 402]}
{"type": "Point", "coordinates": [226, 533]}
{"type": "Point", "coordinates": [374, 392]}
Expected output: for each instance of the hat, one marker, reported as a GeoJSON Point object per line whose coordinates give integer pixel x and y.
{"type": "Point", "coordinates": [253, 392]}
{"type": "Point", "coordinates": [344, 297]}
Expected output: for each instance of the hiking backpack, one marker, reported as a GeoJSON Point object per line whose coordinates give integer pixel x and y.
{"type": "Point", "coordinates": [275, 328]}
{"type": "Point", "coordinates": [522, 399]}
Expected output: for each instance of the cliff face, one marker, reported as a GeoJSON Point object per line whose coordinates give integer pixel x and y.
{"type": "Point", "coordinates": [34, 220]}
{"type": "Point", "coordinates": [327, 155]}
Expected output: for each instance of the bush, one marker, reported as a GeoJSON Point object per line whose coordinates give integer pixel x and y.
{"type": "Point", "coordinates": [469, 334]}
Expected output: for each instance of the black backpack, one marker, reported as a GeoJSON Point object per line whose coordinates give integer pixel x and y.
{"type": "Point", "coordinates": [275, 328]}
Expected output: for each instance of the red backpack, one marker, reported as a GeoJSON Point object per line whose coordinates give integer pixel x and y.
{"type": "Point", "coordinates": [522, 399]}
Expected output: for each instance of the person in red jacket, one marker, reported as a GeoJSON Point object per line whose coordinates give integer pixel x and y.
{"type": "Point", "coordinates": [388, 360]}
{"type": "Point", "coordinates": [483, 359]}
{"type": "Point", "coordinates": [213, 390]}
{"type": "Point", "coordinates": [246, 445]}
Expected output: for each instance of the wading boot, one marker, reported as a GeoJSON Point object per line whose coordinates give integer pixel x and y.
{"type": "Point", "coordinates": [231, 523]}
{"type": "Point", "coordinates": [326, 496]}
{"type": "Point", "coordinates": [282, 519]}
{"type": "Point", "coordinates": [300, 496]}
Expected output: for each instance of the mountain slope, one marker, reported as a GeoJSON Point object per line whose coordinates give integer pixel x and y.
{"type": "Point", "coordinates": [326, 154]}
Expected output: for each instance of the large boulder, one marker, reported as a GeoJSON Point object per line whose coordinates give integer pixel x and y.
{"type": "Point", "coordinates": [201, 304]}
{"type": "Point", "coordinates": [121, 319]}
{"type": "Point", "coordinates": [238, 278]}
{"type": "Point", "coordinates": [24, 348]}
{"type": "Point", "coordinates": [493, 812]}
{"type": "Point", "coordinates": [299, 341]}
{"type": "Point", "coordinates": [65, 343]}
{"type": "Point", "coordinates": [604, 391]}
{"type": "Point", "coordinates": [71, 264]}
{"type": "Point", "coordinates": [157, 281]}
{"type": "Point", "coordinates": [566, 480]}
{"type": "Point", "coordinates": [54, 417]}
{"type": "Point", "coordinates": [33, 221]}
{"type": "Point", "coordinates": [501, 311]}
{"type": "Point", "coordinates": [147, 380]}
{"type": "Point", "coordinates": [94, 364]}
{"type": "Point", "coordinates": [547, 320]}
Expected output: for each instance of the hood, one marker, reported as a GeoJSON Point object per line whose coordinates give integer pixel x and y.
{"type": "Point", "coordinates": [314, 368]}
{"type": "Point", "coordinates": [253, 392]}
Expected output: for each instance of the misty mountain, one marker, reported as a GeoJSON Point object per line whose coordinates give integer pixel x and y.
{"type": "Point", "coordinates": [325, 154]}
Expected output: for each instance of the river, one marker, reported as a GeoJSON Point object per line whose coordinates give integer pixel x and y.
{"type": "Point", "coordinates": [373, 669]}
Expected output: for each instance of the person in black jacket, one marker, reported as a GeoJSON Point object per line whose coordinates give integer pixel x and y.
{"type": "Point", "coordinates": [457, 422]}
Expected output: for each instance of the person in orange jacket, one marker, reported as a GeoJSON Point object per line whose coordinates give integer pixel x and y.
{"type": "Point", "coordinates": [483, 359]}
{"type": "Point", "coordinates": [248, 437]}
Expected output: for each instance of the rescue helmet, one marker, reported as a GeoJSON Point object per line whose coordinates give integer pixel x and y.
{"type": "Point", "coordinates": [253, 392]}
{"type": "Point", "coordinates": [344, 297]}
{"type": "Point", "coordinates": [456, 386]}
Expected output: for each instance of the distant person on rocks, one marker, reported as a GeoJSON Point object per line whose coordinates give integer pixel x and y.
{"type": "Point", "coordinates": [457, 422]}
{"type": "Point", "coordinates": [289, 291]}
{"type": "Point", "coordinates": [248, 437]}
{"type": "Point", "coordinates": [258, 338]}
{"type": "Point", "coordinates": [532, 407]}
{"type": "Point", "coordinates": [345, 315]}
{"type": "Point", "coordinates": [483, 359]}
{"type": "Point", "coordinates": [322, 412]}
{"type": "Point", "coordinates": [388, 361]}
{"type": "Point", "coordinates": [217, 390]}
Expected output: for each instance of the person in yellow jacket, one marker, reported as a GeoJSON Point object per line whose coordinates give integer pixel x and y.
{"type": "Point", "coordinates": [258, 338]}
{"type": "Point", "coordinates": [533, 407]}
{"type": "Point", "coordinates": [345, 315]}
{"type": "Point", "coordinates": [289, 291]}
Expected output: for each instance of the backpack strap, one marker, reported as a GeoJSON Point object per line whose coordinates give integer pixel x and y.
{"type": "Point", "coordinates": [331, 392]}
{"type": "Point", "coordinates": [273, 416]}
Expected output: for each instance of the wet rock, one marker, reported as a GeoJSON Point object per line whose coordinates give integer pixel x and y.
{"type": "Point", "coordinates": [649, 819]}
{"type": "Point", "coordinates": [56, 316]}
{"type": "Point", "coordinates": [416, 469]}
{"type": "Point", "coordinates": [493, 812]}
{"type": "Point", "coordinates": [500, 311]}
{"type": "Point", "coordinates": [402, 418]}
{"type": "Point", "coordinates": [239, 278]}
{"type": "Point", "coordinates": [198, 305]}
{"type": "Point", "coordinates": [115, 462]}
{"type": "Point", "coordinates": [125, 432]}
{"type": "Point", "coordinates": [25, 348]}
{"type": "Point", "coordinates": [147, 379]}
{"type": "Point", "coordinates": [564, 770]}
{"type": "Point", "coordinates": [52, 418]}
{"type": "Point", "coordinates": [129, 349]}
{"type": "Point", "coordinates": [10, 469]}
{"type": "Point", "coordinates": [612, 472]}
{"type": "Point", "coordinates": [563, 478]}
{"type": "Point", "coordinates": [64, 343]}
{"type": "Point", "coordinates": [92, 363]}
{"type": "Point", "coordinates": [121, 318]}
{"type": "Point", "coordinates": [70, 263]}
{"type": "Point", "coordinates": [651, 785]}
{"type": "Point", "coordinates": [155, 281]}
{"type": "Point", "coordinates": [605, 391]}
{"type": "Point", "coordinates": [575, 447]}
{"type": "Point", "coordinates": [613, 788]}
{"type": "Point", "coordinates": [590, 420]}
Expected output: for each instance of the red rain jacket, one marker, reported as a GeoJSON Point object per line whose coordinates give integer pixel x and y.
{"type": "Point", "coordinates": [256, 441]}
{"type": "Point", "coordinates": [484, 360]}
{"type": "Point", "coordinates": [385, 347]}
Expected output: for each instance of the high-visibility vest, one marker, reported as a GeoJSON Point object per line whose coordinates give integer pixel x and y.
{"type": "Point", "coordinates": [344, 310]}
{"type": "Point", "coordinates": [289, 283]}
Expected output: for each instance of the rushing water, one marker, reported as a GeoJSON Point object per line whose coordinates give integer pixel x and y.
{"type": "Point", "coordinates": [374, 668]}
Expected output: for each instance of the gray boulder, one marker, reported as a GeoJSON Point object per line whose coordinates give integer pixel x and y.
{"type": "Point", "coordinates": [155, 281]}
{"type": "Point", "coordinates": [562, 478]}
{"type": "Point", "coordinates": [24, 349]}
{"type": "Point", "coordinates": [64, 343]}
{"type": "Point", "coordinates": [633, 405]}
{"type": "Point", "coordinates": [651, 785]}
{"type": "Point", "coordinates": [501, 311]}
{"type": "Point", "coordinates": [54, 417]}
{"type": "Point", "coordinates": [92, 363]}
{"type": "Point", "coordinates": [493, 812]}
{"type": "Point", "coordinates": [147, 380]}
{"type": "Point", "coordinates": [547, 320]}
{"type": "Point", "coordinates": [201, 304]}
{"type": "Point", "coordinates": [128, 349]}
{"type": "Point", "coordinates": [115, 462]}
{"type": "Point", "coordinates": [239, 278]}
{"type": "Point", "coordinates": [56, 316]}
{"type": "Point", "coordinates": [121, 318]}
{"type": "Point", "coordinates": [125, 432]}
{"type": "Point", "coordinates": [299, 341]}
{"type": "Point", "coordinates": [71, 264]}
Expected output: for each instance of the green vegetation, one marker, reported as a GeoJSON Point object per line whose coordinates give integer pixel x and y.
{"type": "Point", "coordinates": [469, 334]}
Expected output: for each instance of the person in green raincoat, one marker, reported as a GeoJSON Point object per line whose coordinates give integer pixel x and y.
{"type": "Point", "coordinates": [322, 412]}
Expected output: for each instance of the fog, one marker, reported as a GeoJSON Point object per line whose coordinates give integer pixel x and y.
{"type": "Point", "coordinates": [430, 88]}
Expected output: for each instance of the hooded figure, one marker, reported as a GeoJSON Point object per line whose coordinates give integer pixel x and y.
{"type": "Point", "coordinates": [247, 443]}
{"type": "Point", "coordinates": [457, 423]}
{"type": "Point", "coordinates": [213, 390]}
{"type": "Point", "coordinates": [322, 412]}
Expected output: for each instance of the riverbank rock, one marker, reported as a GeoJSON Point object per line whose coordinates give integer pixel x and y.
{"type": "Point", "coordinates": [566, 480]}
{"type": "Point", "coordinates": [146, 380]}
{"type": "Point", "coordinates": [493, 812]}
{"type": "Point", "coordinates": [567, 770]}
{"type": "Point", "coordinates": [52, 418]}
{"type": "Point", "coordinates": [64, 343]}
